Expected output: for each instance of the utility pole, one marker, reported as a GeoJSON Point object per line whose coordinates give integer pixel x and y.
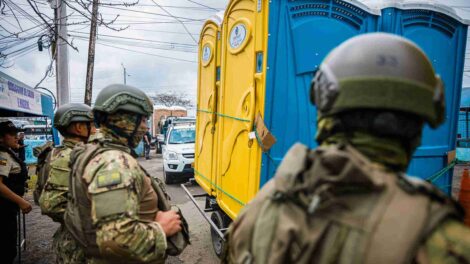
{"type": "Point", "coordinates": [91, 53]}
{"type": "Point", "coordinates": [62, 55]}
{"type": "Point", "coordinates": [125, 73]}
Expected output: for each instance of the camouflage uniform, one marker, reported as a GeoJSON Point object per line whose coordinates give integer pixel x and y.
{"type": "Point", "coordinates": [348, 200]}
{"type": "Point", "coordinates": [53, 202]}
{"type": "Point", "coordinates": [54, 173]}
{"type": "Point", "coordinates": [113, 206]}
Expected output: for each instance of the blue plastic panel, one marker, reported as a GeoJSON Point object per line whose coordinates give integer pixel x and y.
{"type": "Point", "coordinates": [302, 33]}
{"type": "Point", "coordinates": [48, 110]}
{"type": "Point", "coordinates": [443, 39]}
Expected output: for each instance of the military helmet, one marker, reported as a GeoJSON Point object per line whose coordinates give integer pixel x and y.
{"type": "Point", "coordinates": [123, 97]}
{"type": "Point", "coordinates": [73, 112]}
{"type": "Point", "coordinates": [379, 71]}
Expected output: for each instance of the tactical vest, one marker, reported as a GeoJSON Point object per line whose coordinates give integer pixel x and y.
{"type": "Point", "coordinates": [57, 179]}
{"type": "Point", "coordinates": [78, 213]}
{"type": "Point", "coordinates": [331, 194]}
{"type": "Point", "coordinates": [77, 216]}
{"type": "Point", "coordinates": [15, 181]}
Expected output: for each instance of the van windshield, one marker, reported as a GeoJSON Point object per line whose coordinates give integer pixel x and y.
{"type": "Point", "coordinates": [182, 136]}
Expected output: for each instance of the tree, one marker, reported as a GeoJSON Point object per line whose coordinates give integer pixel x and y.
{"type": "Point", "coordinates": [170, 99]}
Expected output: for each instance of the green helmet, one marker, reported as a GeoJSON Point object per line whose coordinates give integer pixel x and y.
{"type": "Point", "coordinates": [68, 113]}
{"type": "Point", "coordinates": [123, 97]}
{"type": "Point", "coordinates": [379, 71]}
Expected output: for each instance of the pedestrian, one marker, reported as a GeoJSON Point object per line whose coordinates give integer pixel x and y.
{"type": "Point", "coordinates": [349, 201]}
{"type": "Point", "coordinates": [116, 210]}
{"type": "Point", "coordinates": [13, 175]}
{"type": "Point", "coordinates": [21, 149]}
{"type": "Point", "coordinates": [75, 124]}
{"type": "Point", "coordinates": [147, 141]}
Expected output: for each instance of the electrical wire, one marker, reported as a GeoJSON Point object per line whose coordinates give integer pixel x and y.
{"type": "Point", "coordinates": [176, 18]}
{"type": "Point", "coordinates": [140, 39]}
{"type": "Point", "coordinates": [206, 6]}
{"type": "Point", "coordinates": [145, 53]}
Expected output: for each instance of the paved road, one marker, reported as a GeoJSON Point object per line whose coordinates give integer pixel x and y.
{"type": "Point", "coordinates": [40, 228]}
{"type": "Point", "coordinates": [200, 251]}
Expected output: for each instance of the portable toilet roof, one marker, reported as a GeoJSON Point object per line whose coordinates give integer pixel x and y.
{"type": "Point", "coordinates": [218, 18]}
{"type": "Point", "coordinates": [465, 99]}
{"type": "Point", "coordinates": [441, 6]}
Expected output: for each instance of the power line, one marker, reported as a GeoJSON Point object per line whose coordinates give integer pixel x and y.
{"type": "Point", "coordinates": [199, 4]}
{"type": "Point", "coordinates": [140, 39]}
{"type": "Point", "coordinates": [145, 53]}
{"type": "Point", "coordinates": [151, 13]}
{"type": "Point", "coordinates": [143, 45]}
{"type": "Point", "coordinates": [184, 26]}
{"type": "Point", "coordinates": [163, 31]}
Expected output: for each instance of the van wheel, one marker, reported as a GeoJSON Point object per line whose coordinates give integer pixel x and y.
{"type": "Point", "coordinates": [217, 242]}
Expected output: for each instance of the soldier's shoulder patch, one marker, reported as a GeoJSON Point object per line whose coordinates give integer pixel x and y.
{"type": "Point", "coordinates": [108, 179]}
{"type": "Point", "coordinates": [3, 161]}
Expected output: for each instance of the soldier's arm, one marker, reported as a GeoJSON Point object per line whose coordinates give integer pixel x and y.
{"type": "Point", "coordinates": [114, 194]}
{"type": "Point", "coordinates": [449, 243]}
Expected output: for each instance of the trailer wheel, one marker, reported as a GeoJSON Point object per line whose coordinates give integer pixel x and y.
{"type": "Point", "coordinates": [217, 242]}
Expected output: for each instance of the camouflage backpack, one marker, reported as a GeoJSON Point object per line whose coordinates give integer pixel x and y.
{"type": "Point", "coordinates": [43, 154]}
{"type": "Point", "coordinates": [334, 193]}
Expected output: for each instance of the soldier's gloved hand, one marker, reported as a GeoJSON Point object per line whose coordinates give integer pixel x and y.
{"type": "Point", "coordinates": [170, 221]}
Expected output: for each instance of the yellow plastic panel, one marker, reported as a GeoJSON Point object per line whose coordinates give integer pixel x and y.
{"type": "Point", "coordinates": [209, 59]}
{"type": "Point", "coordinates": [241, 98]}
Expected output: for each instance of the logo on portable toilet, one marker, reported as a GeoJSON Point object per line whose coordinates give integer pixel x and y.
{"type": "Point", "coordinates": [237, 36]}
{"type": "Point", "coordinates": [206, 53]}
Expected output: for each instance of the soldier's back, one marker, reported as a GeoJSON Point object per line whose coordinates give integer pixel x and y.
{"type": "Point", "coordinates": [332, 205]}
{"type": "Point", "coordinates": [109, 186]}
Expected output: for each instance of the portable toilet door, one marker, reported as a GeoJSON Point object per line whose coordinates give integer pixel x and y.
{"type": "Point", "coordinates": [208, 80]}
{"type": "Point", "coordinates": [442, 34]}
{"type": "Point", "coordinates": [241, 98]}
{"type": "Point", "coordinates": [301, 34]}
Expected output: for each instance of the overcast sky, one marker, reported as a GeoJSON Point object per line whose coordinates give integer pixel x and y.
{"type": "Point", "coordinates": [158, 35]}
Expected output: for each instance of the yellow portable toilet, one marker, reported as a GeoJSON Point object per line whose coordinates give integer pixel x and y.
{"type": "Point", "coordinates": [241, 99]}
{"type": "Point", "coordinates": [208, 85]}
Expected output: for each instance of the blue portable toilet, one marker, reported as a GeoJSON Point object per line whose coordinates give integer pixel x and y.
{"type": "Point", "coordinates": [301, 33]}
{"type": "Point", "coordinates": [442, 34]}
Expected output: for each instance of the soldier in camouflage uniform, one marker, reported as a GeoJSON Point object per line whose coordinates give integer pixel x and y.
{"type": "Point", "coordinates": [75, 124]}
{"type": "Point", "coordinates": [116, 211]}
{"type": "Point", "coordinates": [348, 201]}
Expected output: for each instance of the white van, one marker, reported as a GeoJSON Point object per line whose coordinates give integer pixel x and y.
{"type": "Point", "coordinates": [178, 153]}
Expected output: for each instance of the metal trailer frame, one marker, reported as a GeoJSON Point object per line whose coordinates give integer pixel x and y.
{"type": "Point", "coordinates": [217, 232]}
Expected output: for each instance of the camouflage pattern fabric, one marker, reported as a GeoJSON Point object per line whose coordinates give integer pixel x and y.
{"type": "Point", "coordinates": [67, 250]}
{"type": "Point", "coordinates": [385, 151]}
{"type": "Point", "coordinates": [121, 124]}
{"type": "Point", "coordinates": [53, 202]}
{"type": "Point", "coordinates": [447, 242]}
{"type": "Point", "coordinates": [115, 191]}
{"type": "Point", "coordinates": [450, 243]}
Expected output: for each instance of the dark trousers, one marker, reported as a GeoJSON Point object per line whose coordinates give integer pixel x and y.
{"type": "Point", "coordinates": [147, 151]}
{"type": "Point", "coordinates": [8, 234]}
